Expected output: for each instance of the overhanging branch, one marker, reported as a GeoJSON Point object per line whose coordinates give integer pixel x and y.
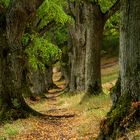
{"type": "Point", "coordinates": [112, 10]}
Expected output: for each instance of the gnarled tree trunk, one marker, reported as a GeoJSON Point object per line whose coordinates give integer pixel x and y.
{"type": "Point", "coordinates": [36, 83]}
{"type": "Point", "coordinates": [127, 110]}
{"type": "Point", "coordinates": [86, 36]}
{"type": "Point", "coordinates": [16, 19]}
{"type": "Point", "coordinates": [78, 34]}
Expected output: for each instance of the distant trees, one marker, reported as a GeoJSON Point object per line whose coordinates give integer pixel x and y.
{"type": "Point", "coordinates": [126, 112]}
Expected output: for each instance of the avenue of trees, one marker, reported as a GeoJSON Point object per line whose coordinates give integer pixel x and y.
{"type": "Point", "coordinates": [35, 34]}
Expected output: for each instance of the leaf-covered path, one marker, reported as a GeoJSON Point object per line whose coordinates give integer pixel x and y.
{"type": "Point", "coordinates": [59, 124]}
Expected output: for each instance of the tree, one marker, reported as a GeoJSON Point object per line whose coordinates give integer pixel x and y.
{"type": "Point", "coordinates": [86, 36]}
{"type": "Point", "coordinates": [13, 24]}
{"type": "Point", "coordinates": [41, 48]}
{"type": "Point", "coordinates": [127, 109]}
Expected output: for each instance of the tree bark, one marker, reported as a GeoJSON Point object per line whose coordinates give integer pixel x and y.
{"type": "Point", "coordinates": [36, 83]}
{"type": "Point", "coordinates": [115, 92]}
{"type": "Point", "coordinates": [86, 36]}
{"type": "Point", "coordinates": [16, 18]}
{"type": "Point", "coordinates": [127, 110]}
{"type": "Point", "coordinates": [65, 66]}
{"type": "Point", "coordinates": [78, 41]}
{"type": "Point", "coordinates": [93, 45]}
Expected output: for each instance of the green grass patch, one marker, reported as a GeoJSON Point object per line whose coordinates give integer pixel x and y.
{"type": "Point", "coordinates": [9, 130]}
{"type": "Point", "coordinates": [110, 78]}
{"type": "Point", "coordinates": [110, 74]}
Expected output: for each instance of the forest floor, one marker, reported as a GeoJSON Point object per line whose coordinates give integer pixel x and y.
{"type": "Point", "coordinates": [66, 118]}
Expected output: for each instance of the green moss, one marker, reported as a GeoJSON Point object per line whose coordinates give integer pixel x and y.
{"type": "Point", "coordinates": [114, 123]}
{"type": "Point", "coordinates": [120, 110]}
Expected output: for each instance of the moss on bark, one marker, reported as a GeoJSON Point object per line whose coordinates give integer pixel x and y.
{"type": "Point", "coordinates": [120, 118]}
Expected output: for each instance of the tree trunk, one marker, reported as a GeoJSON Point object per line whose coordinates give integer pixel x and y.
{"type": "Point", "coordinates": [16, 19]}
{"type": "Point", "coordinates": [78, 42]}
{"type": "Point", "coordinates": [93, 46]}
{"type": "Point", "coordinates": [65, 67]}
{"type": "Point", "coordinates": [127, 110]}
{"type": "Point", "coordinates": [86, 36]}
{"type": "Point", "coordinates": [115, 92]}
{"type": "Point", "coordinates": [49, 78]}
{"type": "Point", "coordinates": [36, 83]}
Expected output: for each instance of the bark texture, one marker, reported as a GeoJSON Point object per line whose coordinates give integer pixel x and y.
{"type": "Point", "coordinates": [37, 84]}
{"type": "Point", "coordinates": [66, 67]}
{"type": "Point", "coordinates": [78, 41]}
{"type": "Point", "coordinates": [93, 45]}
{"type": "Point", "coordinates": [116, 92]}
{"type": "Point", "coordinates": [16, 18]}
{"type": "Point", "coordinates": [86, 37]}
{"type": "Point", "coordinates": [127, 110]}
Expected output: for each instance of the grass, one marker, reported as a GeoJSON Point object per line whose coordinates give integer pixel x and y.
{"type": "Point", "coordinates": [9, 130]}
{"type": "Point", "coordinates": [93, 109]}
{"type": "Point", "coordinates": [110, 74]}
{"type": "Point", "coordinates": [91, 112]}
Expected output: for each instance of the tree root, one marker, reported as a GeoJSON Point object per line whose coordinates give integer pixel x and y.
{"type": "Point", "coordinates": [119, 119]}
{"type": "Point", "coordinates": [23, 110]}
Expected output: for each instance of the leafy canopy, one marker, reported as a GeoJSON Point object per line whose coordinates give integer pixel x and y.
{"type": "Point", "coordinates": [5, 3]}
{"type": "Point", "coordinates": [52, 10]}
{"type": "Point", "coordinates": [41, 52]}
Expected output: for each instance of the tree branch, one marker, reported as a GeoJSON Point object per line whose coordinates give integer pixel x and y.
{"type": "Point", "coordinates": [112, 10]}
{"type": "Point", "coordinates": [47, 27]}
{"type": "Point", "coordinates": [71, 9]}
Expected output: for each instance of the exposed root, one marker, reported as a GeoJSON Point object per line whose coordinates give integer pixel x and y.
{"type": "Point", "coordinates": [120, 118]}
{"type": "Point", "coordinates": [22, 110]}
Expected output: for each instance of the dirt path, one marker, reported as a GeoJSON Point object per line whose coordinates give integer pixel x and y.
{"type": "Point", "coordinates": [59, 123]}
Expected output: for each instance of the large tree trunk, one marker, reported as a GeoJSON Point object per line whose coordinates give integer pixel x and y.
{"type": "Point", "coordinates": [127, 110]}
{"type": "Point", "coordinates": [93, 45]}
{"type": "Point", "coordinates": [86, 36]}
{"type": "Point", "coordinates": [36, 83]}
{"type": "Point", "coordinates": [17, 17]}
{"type": "Point", "coordinates": [78, 42]}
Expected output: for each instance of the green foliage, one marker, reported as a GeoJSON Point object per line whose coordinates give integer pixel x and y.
{"type": "Point", "coordinates": [112, 26]}
{"type": "Point", "coordinates": [42, 52]}
{"type": "Point", "coordinates": [61, 35]}
{"type": "Point", "coordinates": [10, 131]}
{"type": "Point", "coordinates": [25, 39]}
{"type": "Point", "coordinates": [110, 46]}
{"type": "Point", "coordinates": [5, 2]}
{"type": "Point", "coordinates": [52, 10]}
{"type": "Point", "coordinates": [105, 4]}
